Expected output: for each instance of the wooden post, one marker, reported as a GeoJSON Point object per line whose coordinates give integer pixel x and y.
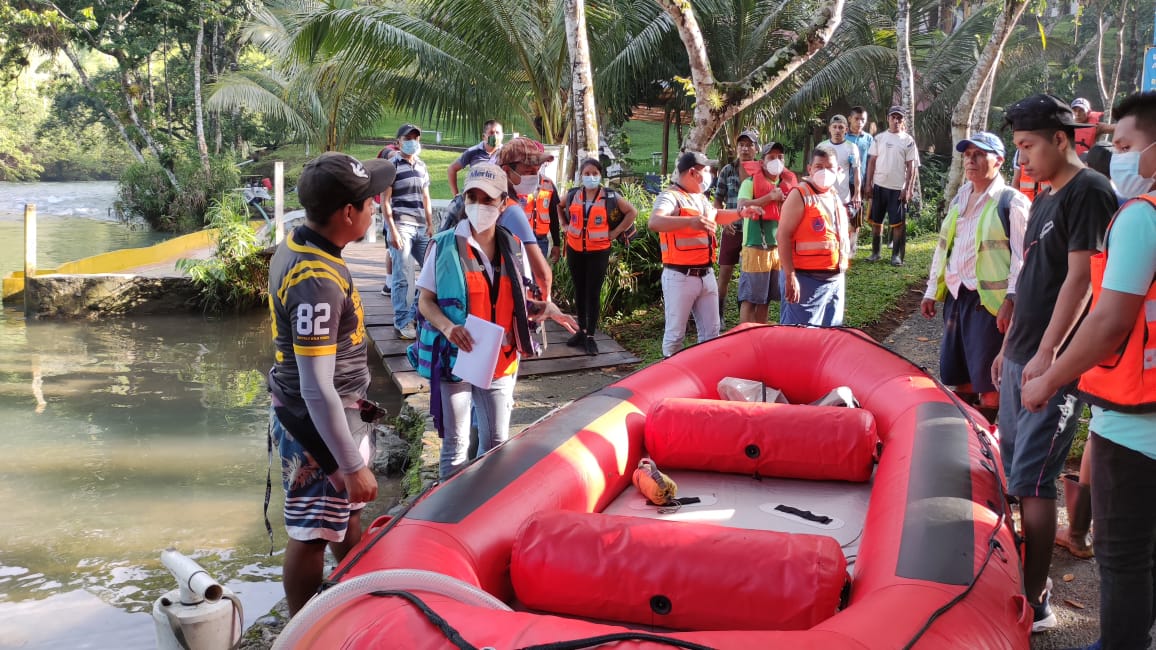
{"type": "Point", "coordinates": [29, 251]}
{"type": "Point", "coordinates": [279, 201]}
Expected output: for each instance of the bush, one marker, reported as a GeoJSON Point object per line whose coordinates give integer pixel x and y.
{"type": "Point", "coordinates": [146, 194]}
{"type": "Point", "coordinates": [237, 276]}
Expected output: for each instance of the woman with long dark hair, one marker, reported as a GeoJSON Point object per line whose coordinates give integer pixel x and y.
{"type": "Point", "coordinates": [593, 216]}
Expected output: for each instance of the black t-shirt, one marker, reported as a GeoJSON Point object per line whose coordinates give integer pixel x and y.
{"type": "Point", "coordinates": [1073, 219]}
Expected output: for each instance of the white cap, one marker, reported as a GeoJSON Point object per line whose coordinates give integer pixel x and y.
{"type": "Point", "coordinates": [487, 178]}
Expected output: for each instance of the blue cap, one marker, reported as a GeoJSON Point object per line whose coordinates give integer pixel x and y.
{"type": "Point", "coordinates": [983, 140]}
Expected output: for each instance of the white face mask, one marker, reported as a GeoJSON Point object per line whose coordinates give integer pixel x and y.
{"type": "Point", "coordinates": [527, 186]}
{"type": "Point", "coordinates": [706, 179]}
{"type": "Point", "coordinates": [482, 217]}
{"type": "Point", "coordinates": [410, 147]}
{"type": "Point", "coordinates": [591, 182]}
{"type": "Point", "coordinates": [1125, 170]}
{"type": "Point", "coordinates": [774, 167]}
{"type": "Point", "coordinates": [824, 178]}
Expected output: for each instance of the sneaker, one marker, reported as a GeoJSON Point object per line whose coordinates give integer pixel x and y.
{"type": "Point", "coordinates": [578, 340]}
{"type": "Point", "coordinates": [874, 257]}
{"type": "Point", "coordinates": [591, 346]}
{"type": "Point", "coordinates": [1043, 618]}
{"type": "Point", "coordinates": [385, 291]}
{"type": "Point", "coordinates": [896, 260]}
{"type": "Point", "coordinates": [409, 332]}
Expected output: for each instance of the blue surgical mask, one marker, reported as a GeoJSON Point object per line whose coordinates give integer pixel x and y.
{"type": "Point", "coordinates": [410, 147]}
{"type": "Point", "coordinates": [1125, 170]}
{"type": "Point", "coordinates": [591, 182]}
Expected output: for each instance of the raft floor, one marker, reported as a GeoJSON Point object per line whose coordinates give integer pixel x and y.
{"type": "Point", "coordinates": [749, 503]}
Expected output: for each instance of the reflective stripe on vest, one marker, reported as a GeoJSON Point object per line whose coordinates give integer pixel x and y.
{"type": "Point", "coordinates": [992, 255]}
{"type": "Point", "coordinates": [687, 246]}
{"type": "Point", "coordinates": [1126, 380]}
{"type": "Point", "coordinates": [537, 207]}
{"type": "Point", "coordinates": [817, 237]}
{"type": "Point", "coordinates": [589, 227]}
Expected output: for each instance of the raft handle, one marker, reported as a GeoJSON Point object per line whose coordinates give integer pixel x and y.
{"type": "Point", "coordinates": [752, 451]}
{"type": "Point", "coordinates": [804, 514]}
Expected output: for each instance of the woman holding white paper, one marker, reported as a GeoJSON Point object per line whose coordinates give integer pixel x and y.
{"type": "Point", "coordinates": [480, 270]}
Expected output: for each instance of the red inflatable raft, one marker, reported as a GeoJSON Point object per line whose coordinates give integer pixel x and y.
{"type": "Point", "coordinates": [883, 526]}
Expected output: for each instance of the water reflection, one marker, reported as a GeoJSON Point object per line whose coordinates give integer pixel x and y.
{"type": "Point", "coordinates": [122, 438]}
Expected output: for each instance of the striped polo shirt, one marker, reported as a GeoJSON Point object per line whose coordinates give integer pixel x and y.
{"type": "Point", "coordinates": [411, 179]}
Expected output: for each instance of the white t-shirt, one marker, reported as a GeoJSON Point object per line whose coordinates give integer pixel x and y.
{"type": "Point", "coordinates": [848, 167]}
{"type": "Point", "coordinates": [892, 152]}
{"type": "Point", "coordinates": [427, 279]}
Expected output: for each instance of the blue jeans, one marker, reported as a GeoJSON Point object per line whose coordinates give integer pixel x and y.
{"type": "Point", "coordinates": [493, 406]}
{"type": "Point", "coordinates": [1123, 491]}
{"type": "Point", "coordinates": [412, 242]}
{"type": "Point", "coordinates": [820, 300]}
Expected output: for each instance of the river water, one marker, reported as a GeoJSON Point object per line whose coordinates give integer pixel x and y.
{"type": "Point", "coordinates": [122, 438]}
{"type": "Point", "coordinates": [72, 221]}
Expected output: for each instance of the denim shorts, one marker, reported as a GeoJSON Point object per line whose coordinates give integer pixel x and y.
{"type": "Point", "coordinates": [316, 507]}
{"type": "Point", "coordinates": [1034, 445]}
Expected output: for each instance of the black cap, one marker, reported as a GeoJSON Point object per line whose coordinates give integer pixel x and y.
{"type": "Point", "coordinates": [771, 146]}
{"type": "Point", "coordinates": [691, 159]}
{"type": "Point", "coordinates": [1040, 112]}
{"type": "Point", "coordinates": [896, 110]}
{"type": "Point", "coordinates": [406, 129]}
{"type": "Point", "coordinates": [334, 179]}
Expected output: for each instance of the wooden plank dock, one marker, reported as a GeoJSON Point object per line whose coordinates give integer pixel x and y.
{"type": "Point", "coordinates": [366, 261]}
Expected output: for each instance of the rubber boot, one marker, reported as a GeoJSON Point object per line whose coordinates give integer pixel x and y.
{"type": "Point", "coordinates": [1074, 536]}
{"type": "Point", "coordinates": [898, 245]}
{"type": "Point", "coordinates": [876, 242]}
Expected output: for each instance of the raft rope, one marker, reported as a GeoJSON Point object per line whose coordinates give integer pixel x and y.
{"type": "Point", "coordinates": [459, 642]}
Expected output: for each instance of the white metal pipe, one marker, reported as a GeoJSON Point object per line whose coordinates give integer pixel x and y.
{"type": "Point", "coordinates": [195, 583]}
{"type": "Point", "coordinates": [279, 201]}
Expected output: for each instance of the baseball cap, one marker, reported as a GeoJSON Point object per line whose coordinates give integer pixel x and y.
{"type": "Point", "coordinates": [750, 134]}
{"type": "Point", "coordinates": [896, 109]}
{"type": "Point", "coordinates": [488, 178]}
{"type": "Point", "coordinates": [771, 146]}
{"type": "Point", "coordinates": [525, 151]}
{"type": "Point", "coordinates": [334, 179]}
{"type": "Point", "coordinates": [406, 129]}
{"type": "Point", "coordinates": [690, 159]}
{"type": "Point", "coordinates": [838, 119]}
{"type": "Point", "coordinates": [988, 142]}
{"type": "Point", "coordinates": [1040, 112]}
{"type": "Point", "coordinates": [1080, 102]}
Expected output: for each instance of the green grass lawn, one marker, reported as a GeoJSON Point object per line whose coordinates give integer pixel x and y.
{"type": "Point", "coordinates": [437, 161]}
{"type": "Point", "coordinates": [872, 289]}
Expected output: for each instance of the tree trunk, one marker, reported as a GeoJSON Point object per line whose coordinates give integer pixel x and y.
{"type": "Point", "coordinates": [198, 104]}
{"type": "Point", "coordinates": [108, 114]}
{"type": "Point", "coordinates": [715, 101]}
{"type": "Point", "coordinates": [906, 70]}
{"type": "Point", "coordinates": [215, 71]}
{"type": "Point", "coordinates": [126, 92]}
{"type": "Point", "coordinates": [665, 139]}
{"type": "Point", "coordinates": [582, 84]}
{"type": "Point", "coordinates": [1109, 87]}
{"type": "Point", "coordinates": [970, 113]}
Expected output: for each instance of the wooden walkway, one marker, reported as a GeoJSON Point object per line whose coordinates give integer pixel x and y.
{"type": "Point", "coordinates": [366, 262]}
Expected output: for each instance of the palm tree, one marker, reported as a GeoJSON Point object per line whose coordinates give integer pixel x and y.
{"type": "Point", "coordinates": [304, 90]}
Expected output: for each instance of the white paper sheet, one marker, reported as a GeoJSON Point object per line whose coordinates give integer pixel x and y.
{"type": "Point", "coordinates": [477, 366]}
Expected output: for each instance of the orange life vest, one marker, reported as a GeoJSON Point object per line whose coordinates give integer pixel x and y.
{"type": "Point", "coordinates": [687, 246]}
{"type": "Point", "coordinates": [495, 304]}
{"type": "Point", "coordinates": [1086, 137]}
{"type": "Point", "coordinates": [1126, 380]}
{"type": "Point", "coordinates": [537, 206]}
{"type": "Point", "coordinates": [589, 227]}
{"type": "Point", "coordinates": [817, 244]}
{"type": "Point", "coordinates": [1029, 187]}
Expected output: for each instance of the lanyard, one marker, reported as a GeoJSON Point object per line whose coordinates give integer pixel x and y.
{"type": "Point", "coordinates": [491, 284]}
{"type": "Point", "coordinates": [587, 206]}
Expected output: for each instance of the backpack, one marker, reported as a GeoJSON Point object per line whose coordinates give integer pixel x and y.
{"type": "Point", "coordinates": [1003, 208]}
{"type": "Point", "coordinates": [614, 214]}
